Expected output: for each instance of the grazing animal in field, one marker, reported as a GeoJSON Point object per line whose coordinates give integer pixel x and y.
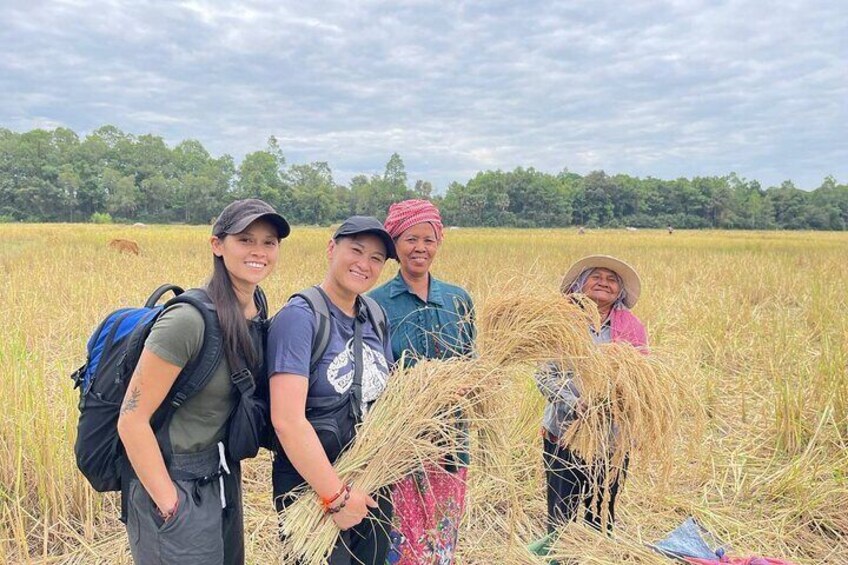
{"type": "Point", "coordinates": [139, 225]}
{"type": "Point", "coordinates": [124, 246]}
{"type": "Point", "coordinates": [629, 228]}
{"type": "Point", "coordinates": [581, 230]}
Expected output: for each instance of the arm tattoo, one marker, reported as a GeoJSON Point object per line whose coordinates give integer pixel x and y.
{"type": "Point", "coordinates": [131, 402]}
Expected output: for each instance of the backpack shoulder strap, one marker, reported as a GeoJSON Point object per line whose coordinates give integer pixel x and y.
{"type": "Point", "coordinates": [377, 316]}
{"type": "Point", "coordinates": [241, 376]}
{"type": "Point", "coordinates": [261, 302]}
{"type": "Point", "coordinates": [160, 292]}
{"type": "Point", "coordinates": [197, 373]}
{"type": "Point", "coordinates": [137, 338]}
{"type": "Point", "coordinates": [317, 301]}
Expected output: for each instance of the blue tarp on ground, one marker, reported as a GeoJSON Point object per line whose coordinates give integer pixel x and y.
{"type": "Point", "coordinates": [688, 540]}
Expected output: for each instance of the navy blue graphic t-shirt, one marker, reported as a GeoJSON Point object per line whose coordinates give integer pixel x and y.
{"type": "Point", "coordinates": [289, 350]}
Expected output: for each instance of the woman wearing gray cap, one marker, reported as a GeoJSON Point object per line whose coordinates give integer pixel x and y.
{"type": "Point", "coordinates": [614, 287]}
{"type": "Point", "coordinates": [183, 498]}
{"type": "Point", "coordinates": [328, 359]}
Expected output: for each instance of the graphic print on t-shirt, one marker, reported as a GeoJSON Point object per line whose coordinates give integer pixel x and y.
{"type": "Point", "coordinates": [375, 369]}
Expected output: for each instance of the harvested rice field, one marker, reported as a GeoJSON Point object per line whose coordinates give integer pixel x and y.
{"type": "Point", "coordinates": [749, 331]}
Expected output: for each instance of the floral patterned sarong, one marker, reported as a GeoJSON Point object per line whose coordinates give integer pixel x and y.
{"type": "Point", "coordinates": [428, 507]}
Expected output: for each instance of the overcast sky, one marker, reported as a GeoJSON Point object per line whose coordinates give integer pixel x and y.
{"type": "Point", "coordinates": [665, 89]}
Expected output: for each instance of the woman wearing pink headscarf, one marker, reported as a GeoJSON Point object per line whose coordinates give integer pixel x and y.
{"type": "Point", "coordinates": [434, 320]}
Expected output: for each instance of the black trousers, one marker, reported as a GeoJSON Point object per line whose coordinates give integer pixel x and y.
{"type": "Point", "coordinates": [367, 543]}
{"type": "Point", "coordinates": [570, 486]}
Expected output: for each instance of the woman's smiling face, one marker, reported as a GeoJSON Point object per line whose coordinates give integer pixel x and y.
{"type": "Point", "coordinates": [603, 287]}
{"type": "Point", "coordinates": [356, 262]}
{"type": "Point", "coordinates": [416, 248]}
{"type": "Point", "coordinates": [250, 255]}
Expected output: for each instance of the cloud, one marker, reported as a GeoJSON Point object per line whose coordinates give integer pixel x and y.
{"type": "Point", "coordinates": [665, 89]}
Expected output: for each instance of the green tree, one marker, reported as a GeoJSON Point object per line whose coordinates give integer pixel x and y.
{"type": "Point", "coordinates": [594, 206]}
{"type": "Point", "coordinates": [122, 196]}
{"type": "Point", "coordinates": [395, 174]}
{"type": "Point", "coordinates": [91, 159]}
{"type": "Point", "coordinates": [423, 190]}
{"type": "Point", "coordinates": [69, 183]}
{"type": "Point", "coordinates": [832, 199]}
{"type": "Point", "coordinates": [361, 195]}
{"type": "Point", "coordinates": [313, 194]}
{"type": "Point", "coordinates": [260, 176]}
{"type": "Point", "coordinates": [537, 199]}
{"type": "Point", "coordinates": [158, 195]}
{"type": "Point", "coordinates": [789, 206]}
{"type": "Point", "coordinates": [387, 189]}
{"type": "Point", "coordinates": [483, 201]}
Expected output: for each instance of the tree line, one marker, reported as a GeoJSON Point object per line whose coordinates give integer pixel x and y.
{"type": "Point", "coordinates": [110, 175]}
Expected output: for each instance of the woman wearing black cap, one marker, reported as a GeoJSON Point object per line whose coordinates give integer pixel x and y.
{"type": "Point", "coordinates": [183, 500]}
{"type": "Point", "coordinates": [328, 359]}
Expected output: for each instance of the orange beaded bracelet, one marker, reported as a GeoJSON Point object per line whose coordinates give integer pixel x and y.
{"type": "Point", "coordinates": [326, 502]}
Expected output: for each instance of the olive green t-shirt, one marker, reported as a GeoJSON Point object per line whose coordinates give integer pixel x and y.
{"type": "Point", "coordinates": [200, 423]}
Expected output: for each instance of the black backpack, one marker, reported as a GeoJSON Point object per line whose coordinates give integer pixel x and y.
{"type": "Point", "coordinates": [113, 352]}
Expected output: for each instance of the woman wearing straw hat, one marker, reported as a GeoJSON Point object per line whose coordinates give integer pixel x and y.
{"type": "Point", "coordinates": [614, 287]}
{"type": "Point", "coordinates": [435, 320]}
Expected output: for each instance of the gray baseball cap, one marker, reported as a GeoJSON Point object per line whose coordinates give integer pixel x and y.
{"type": "Point", "coordinates": [367, 224]}
{"type": "Point", "coordinates": [239, 214]}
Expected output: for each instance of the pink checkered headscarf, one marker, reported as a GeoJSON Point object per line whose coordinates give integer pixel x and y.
{"type": "Point", "coordinates": [403, 215]}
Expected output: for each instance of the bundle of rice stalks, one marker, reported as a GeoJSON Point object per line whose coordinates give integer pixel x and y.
{"type": "Point", "coordinates": [529, 325]}
{"type": "Point", "coordinates": [631, 408]}
{"type": "Point", "coordinates": [631, 405]}
{"type": "Point", "coordinates": [493, 418]}
{"type": "Point", "coordinates": [412, 424]}
{"type": "Point", "coordinates": [505, 505]}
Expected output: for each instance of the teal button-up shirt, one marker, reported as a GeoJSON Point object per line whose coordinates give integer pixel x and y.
{"type": "Point", "coordinates": [438, 328]}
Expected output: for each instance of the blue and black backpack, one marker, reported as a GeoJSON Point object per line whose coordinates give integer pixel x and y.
{"type": "Point", "coordinates": [113, 352]}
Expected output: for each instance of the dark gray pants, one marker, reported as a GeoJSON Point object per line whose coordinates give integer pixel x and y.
{"type": "Point", "coordinates": [201, 532]}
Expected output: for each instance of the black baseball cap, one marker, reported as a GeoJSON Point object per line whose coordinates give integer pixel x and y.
{"type": "Point", "coordinates": [367, 224]}
{"type": "Point", "coordinates": [239, 214]}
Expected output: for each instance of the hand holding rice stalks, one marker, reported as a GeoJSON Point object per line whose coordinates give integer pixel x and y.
{"type": "Point", "coordinates": [631, 406]}
{"type": "Point", "coordinates": [413, 423]}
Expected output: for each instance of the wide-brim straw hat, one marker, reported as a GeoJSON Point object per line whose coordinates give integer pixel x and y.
{"type": "Point", "coordinates": [629, 277]}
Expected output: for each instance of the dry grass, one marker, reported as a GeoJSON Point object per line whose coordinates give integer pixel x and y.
{"type": "Point", "coordinates": [754, 324]}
